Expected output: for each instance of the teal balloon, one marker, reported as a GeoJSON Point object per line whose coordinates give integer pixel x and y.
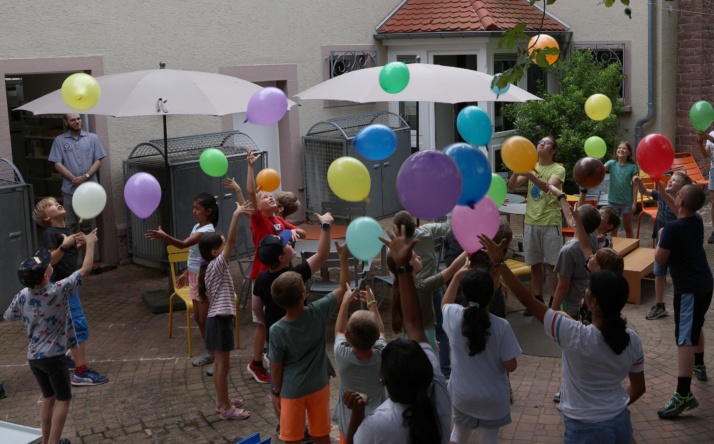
{"type": "Point", "coordinates": [595, 147]}
{"type": "Point", "coordinates": [474, 125]}
{"type": "Point", "coordinates": [498, 90]}
{"type": "Point", "coordinates": [498, 189]}
{"type": "Point", "coordinates": [394, 77]}
{"type": "Point", "coordinates": [362, 238]}
{"type": "Point", "coordinates": [702, 115]}
{"type": "Point", "coordinates": [213, 162]}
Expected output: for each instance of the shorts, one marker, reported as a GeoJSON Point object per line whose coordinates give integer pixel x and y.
{"type": "Point", "coordinates": [292, 415]}
{"type": "Point", "coordinates": [52, 375]}
{"type": "Point", "coordinates": [193, 285]}
{"type": "Point", "coordinates": [660, 269]}
{"type": "Point", "coordinates": [81, 328]}
{"type": "Point", "coordinates": [541, 243]}
{"type": "Point", "coordinates": [470, 422]}
{"type": "Point", "coordinates": [689, 311]}
{"type": "Point", "coordinates": [220, 333]}
{"type": "Point", "coordinates": [710, 187]}
{"type": "Point", "coordinates": [617, 430]}
{"type": "Point", "coordinates": [620, 209]}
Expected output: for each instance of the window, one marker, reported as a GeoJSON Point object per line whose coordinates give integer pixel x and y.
{"type": "Point", "coordinates": [610, 53]}
{"type": "Point", "coordinates": [500, 123]}
{"type": "Point", "coordinates": [409, 111]}
{"type": "Point", "coordinates": [341, 62]}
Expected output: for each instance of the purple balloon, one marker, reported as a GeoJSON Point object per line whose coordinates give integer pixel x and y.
{"type": "Point", "coordinates": [429, 184]}
{"type": "Point", "coordinates": [142, 194]}
{"type": "Point", "coordinates": [467, 223]}
{"type": "Point", "coordinates": [267, 106]}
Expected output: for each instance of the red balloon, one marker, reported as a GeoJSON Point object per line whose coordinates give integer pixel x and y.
{"type": "Point", "coordinates": [588, 172]}
{"type": "Point", "coordinates": [655, 155]}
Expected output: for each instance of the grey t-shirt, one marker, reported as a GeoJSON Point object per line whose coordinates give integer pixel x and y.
{"type": "Point", "coordinates": [571, 264]}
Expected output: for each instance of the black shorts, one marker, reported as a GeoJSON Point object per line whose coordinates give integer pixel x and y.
{"type": "Point", "coordinates": [220, 333]}
{"type": "Point", "coordinates": [689, 311]}
{"type": "Point", "coordinates": [52, 375]}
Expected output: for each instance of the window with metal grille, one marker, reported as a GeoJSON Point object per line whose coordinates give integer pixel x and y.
{"type": "Point", "coordinates": [342, 62]}
{"type": "Point", "coordinates": [609, 53]}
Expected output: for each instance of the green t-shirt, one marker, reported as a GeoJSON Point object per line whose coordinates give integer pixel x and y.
{"type": "Point", "coordinates": [541, 208]}
{"type": "Point", "coordinates": [620, 187]}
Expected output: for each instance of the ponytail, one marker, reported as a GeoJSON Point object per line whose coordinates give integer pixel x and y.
{"type": "Point", "coordinates": [202, 297]}
{"type": "Point", "coordinates": [477, 290]}
{"type": "Point", "coordinates": [208, 202]}
{"type": "Point", "coordinates": [206, 244]}
{"type": "Point", "coordinates": [610, 290]}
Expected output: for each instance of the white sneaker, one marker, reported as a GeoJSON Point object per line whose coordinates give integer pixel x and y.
{"type": "Point", "coordinates": [266, 360]}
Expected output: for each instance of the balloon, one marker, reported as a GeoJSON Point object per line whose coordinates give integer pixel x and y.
{"type": "Point", "coordinates": [598, 107]}
{"type": "Point", "coordinates": [543, 41]}
{"type": "Point", "coordinates": [142, 194]}
{"type": "Point", "coordinates": [498, 190]}
{"type": "Point", "coordinates": [362, 238]}
{"type": "Point", "coordinates": [588, 172]}
{"type": "Point", "coordinates": [268, 179]}
{"type": "Point", "coordinates": [349, 179]}
{"type": "Point", "coordinates": [394, 77]}
{"type": "Point", "coordinates": [89, 200]}
{"type": "Point", "coordinates": [267, 106]}
{"type": "Point", "coordinates": [655, 155]}
{"type": "Point", "coordinates": [702, 115]}
{"type": "Point", "coordinates": [475, 172]}
{"type": "Point", "coordinates": [80, 91]}
{"type": "Point", "coordinates": [474, 125]}
{"type": "Point", "coordinates": [519, 154]}
{"type": "Point", "coordinates": [376, 142]}
{"type": "Point", "coordinates": [467, 223]}
{"type": "Point", "coordinates": [213, 162]}
{"type": "Point", "coordinates": [595, 147]}
{"type": "Point", "coordinates": [498, 90]}
{"type": "Point", "coordinates": [429, 184]}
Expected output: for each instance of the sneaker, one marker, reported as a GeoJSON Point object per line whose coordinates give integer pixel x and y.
{"type": "Point", "coordinates": [307, 439]}
{"type": "Point", "coordinates": [711, 238]}
{"type": "Point", "coordinates": [678, 405]}
{"type": "Point", "coordinates": [90, 377]}
{"type": "Point", "coordinates": [70, 362]}
{"type": "Point", "coordinates": [556, 397]}
{"type": "Point", "coordinates": [260, 374]}
{"type": "Point", "coordinates": [657, 311]}
{"type": "Point", "coordinates": [234, 403]}
{"type": "Point", "coordinates": [65, 441]}
{"type": "Point", "coordinates": [203, 360]}
{"type": "Point", "coordinates": [233, 413]}
{"type": "Point", "coordinates": [209, 372]}
{"type": "Point", "coordinates": [700, 372]}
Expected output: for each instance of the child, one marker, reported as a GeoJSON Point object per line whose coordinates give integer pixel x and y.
{"type": "Point", "coordinates": [481, 344]}
{"type": "Point", "coordinates": [665, 214]}
{"type": "Point", "coordinates": [359, 343]}
{"type": "Point", "coordinates": [603, 259]}
{"type": "Point", "coordinates": [708, 152]}
{"type": "Point", "coordinates": [681, 241]}
{"type": "Point", "coordinates": [609, 222]}
{"type": "Point", "coordinates": [288, 203]}
{"type": "Point", "coordinates": [594, 400]}
{"type": "Point", "coordinates": [622, 196]}
{"type": "Point", "coordinates": [497, 306]}
{"type": "Point", "coordinates": [215, 284]}
{"type": "Point", "coordinates": [64, 244]}
{"type": "Point", "coordinates": [299, 364]}
{"type": "Point", "coordinates": [264, 220]}
{"type": "Point", "coordinates": [205, 212]}
{"type": "Point", "coordinates": [43, 308]}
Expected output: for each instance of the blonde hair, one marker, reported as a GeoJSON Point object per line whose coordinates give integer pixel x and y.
{"type": "Point", "coordinates": [38, 214]}
{"type": "Point", "coordinates": [362, 330]}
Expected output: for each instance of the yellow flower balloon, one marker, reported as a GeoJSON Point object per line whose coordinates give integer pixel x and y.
{"type": "Point", "coordinates": [80, 91]}
{"type": "Point", "coordinates": [349, 179]}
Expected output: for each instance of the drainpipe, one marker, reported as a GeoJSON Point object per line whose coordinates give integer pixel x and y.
{"type": "Point", "coordinates": [650, 74]}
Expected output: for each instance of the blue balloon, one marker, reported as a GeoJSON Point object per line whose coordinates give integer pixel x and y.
{"type": "Point", "coordinates": [498, 90]}
{"type": "Point", "coordinates": [475, 172]}
{"type": "Point", "coordinates": [474, 125]}
{"type": "Point", "coordinates": [376, 142]}
{"type": "Point", "coordinates": [362, 238]}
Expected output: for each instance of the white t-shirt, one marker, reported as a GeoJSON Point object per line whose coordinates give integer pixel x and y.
{"type": "Point", "coordinates": [592, 389]}
{"type": "Point", "coordinates": [385, 425]}
{"type": "Point", "coordinates": [479, 384]}
{"type": "Point", "coordinates": [194, 256]}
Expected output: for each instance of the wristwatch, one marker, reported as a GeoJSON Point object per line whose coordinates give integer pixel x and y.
{"type": "Point", "coordinates": [326, 226]}
{"type": "Point", "coordinates": [87, 176]}
{"type": "Point", "coordinates": [406, 269]}
{"type": "Point", "coordinates": [63, 249]}
{"type": "Point", "coordinates": [274, 393]}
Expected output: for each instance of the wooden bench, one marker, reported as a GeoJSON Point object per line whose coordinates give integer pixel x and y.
{"type": "Point", "coordinates": [639, 262]}
{"type": "Point", "coordinates": [686, 163]}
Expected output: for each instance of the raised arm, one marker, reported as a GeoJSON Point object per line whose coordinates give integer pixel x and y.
{"type": "Point", "coordinates": [56, 254]}
{"type": "Point", "coordinates": [543, 185]}
{"type": "Point", "coordinates": [665, 196]}
{"type": "Point", "coordinates": [233, 230]}
{"type": "Point", "coordinates": [702, 137]}
{"type": "Point", "coordinates": [89, 240]}
{"type": "Point", "coordinates": [323, 245]}
{"type": "Point", "coordinates": [516, 180]}
{"type": "Point", "coordinates": [564, 205]}
{"type": "Point", "coordinates": [250, 179]}
{"type": "Point", "coordinates": [455, 266]}
{"type": "Point", "coordinates": [637, 181]}
{"type": "Point", "coordinates": [178, 243]}
{"type": "Point", "coordinates": [367, 297]}
{"type": "Point", "coordinates": [231, 183]}
{"type": "Point", "coordinates": [341, 322]}
{"type": "Point", "coordinates": [344, 291]}
{"type": "Point", "coordinates": [453, 289]}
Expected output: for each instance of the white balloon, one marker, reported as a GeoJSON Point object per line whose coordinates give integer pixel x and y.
{"type": "Point", "coordinates": [89, 200]}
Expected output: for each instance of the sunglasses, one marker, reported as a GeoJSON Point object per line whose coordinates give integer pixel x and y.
{"type": "Point", "coordinates": [545, 142]}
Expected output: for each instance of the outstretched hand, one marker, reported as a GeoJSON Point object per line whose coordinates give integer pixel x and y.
{"type": "Point", "coordinates": [400, 249]}
{"type": "Point", "coordinates": [496, 252]}
{"type": "Point", "coordinates": [246, 208]}
{"type": "Point", "coordinates": [155, 234]}
{"type": "Point", "coordinates": [231, 183]}
{"type": "Point", "coordinates": [252, 158]}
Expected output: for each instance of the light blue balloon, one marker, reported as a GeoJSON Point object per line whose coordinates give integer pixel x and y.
{"type": "Point", "coordinates": [474, 125]}
{"type": "Point", "coordinates": [362, 238]}
{"type": "Point", "coordinates": [498, 90]}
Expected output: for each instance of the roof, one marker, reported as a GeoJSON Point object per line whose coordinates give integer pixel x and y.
{"type": "Point", "coordinates": [426, 16]}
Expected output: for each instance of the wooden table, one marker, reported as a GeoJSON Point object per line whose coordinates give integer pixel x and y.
{"type": "Point", "coordinates": [638, 264]}
{"type": "Point", "coordinates": [624, 245]}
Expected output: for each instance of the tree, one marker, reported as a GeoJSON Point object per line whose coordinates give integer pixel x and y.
{"type": "Point", "coordinates": [562, 115]}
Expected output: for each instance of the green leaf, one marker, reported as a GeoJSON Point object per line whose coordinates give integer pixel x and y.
{"type": "Point", "coordinates": [625, 2]}
{"type": "Point", "coordinates": [512, 35]}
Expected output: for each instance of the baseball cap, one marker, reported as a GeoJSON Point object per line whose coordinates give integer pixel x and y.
{"type": "Point", "coordinates": [271, 247]}
{"type": "Point", "coordinates": [32, 271]}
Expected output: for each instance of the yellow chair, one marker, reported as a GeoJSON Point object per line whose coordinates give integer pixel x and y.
{"type": "Point", "coordinates": [176, 256]}
{"type": "Point", "coordinates": [518, 269]}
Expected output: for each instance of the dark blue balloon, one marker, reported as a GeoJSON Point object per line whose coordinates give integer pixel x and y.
{"type": "Point", "coordinates": [376, 142]}
{"type": "Point", "coordinates": [475, 172]}
{"type": "Point", "coordinates": [474, 125]}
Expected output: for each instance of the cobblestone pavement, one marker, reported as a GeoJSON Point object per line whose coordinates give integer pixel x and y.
{"type": "Point", "coordinates": [155, 395]}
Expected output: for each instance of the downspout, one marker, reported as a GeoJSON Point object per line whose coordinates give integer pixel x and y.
{"type": "Point", "coordinates": [650, 74]}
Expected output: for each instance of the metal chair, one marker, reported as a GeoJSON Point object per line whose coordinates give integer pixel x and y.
{"type": "Point", "coordinates": [345, 211]}
{"type": "Point", "coordinates": [329, 279]}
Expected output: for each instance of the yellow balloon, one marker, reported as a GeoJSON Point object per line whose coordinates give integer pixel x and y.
{"type": "Point", "coordinates": [349, 179]}
{"type": "Point", "coordinates": [598, 107]}
{"type": "Point", "coordinates": [80, 91]}
{"type": "Point", "coordinates": [519, 154]}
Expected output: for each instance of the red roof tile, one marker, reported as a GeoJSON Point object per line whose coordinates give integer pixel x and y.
{"type": "Point", "coordinates": [466, 15]}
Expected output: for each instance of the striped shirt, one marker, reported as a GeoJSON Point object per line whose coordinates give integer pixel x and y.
{"type": "Point", "coordinates": [219, 288]}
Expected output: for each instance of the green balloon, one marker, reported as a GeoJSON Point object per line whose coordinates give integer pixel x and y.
{"type": "Point", "coordinates": [595, 147]}
{"type": "Point", "coordinates": [702, 115]}
{"type": "Point", "coordinates": [498, 189]}
{"type": "Point", "coordinates": [394, 77]}
{"type": "Point", "coordinates": [213, 162]}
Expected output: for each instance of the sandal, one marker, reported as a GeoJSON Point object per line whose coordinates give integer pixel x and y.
{"type": "Point", "coordinates": [233, 413]}
{"type": "Point", "coordinates": [203, 360]}
{"type": "Point", "coordinates": [234, 402]}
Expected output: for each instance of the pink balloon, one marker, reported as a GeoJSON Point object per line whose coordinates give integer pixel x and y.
{"type": "Point", "coordinates": [142, 194]}
{"type": "Point", "coordinates": [467, 223]}
{"type": "Point", "coordinates": [267, 106]}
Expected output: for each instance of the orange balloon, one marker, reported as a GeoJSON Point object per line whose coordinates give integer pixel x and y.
{"type": "Point", "coordinates": [543, 41]}
{"type": "Point", "coordinates": [268, 179]}
{"type": "Point", "coordinates": [519, 154]}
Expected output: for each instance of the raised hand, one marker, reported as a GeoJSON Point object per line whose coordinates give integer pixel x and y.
{"type": "Point", "coordinates": [325, 218]}
{"type": "Point", "coordinates": [231, 183]}
{"type": "Point", "coordinates": [495, 251]}
{"type": "Point", "coordinates": [252, 158]}
{"type": "Point", "coordinates": [399, 247]}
